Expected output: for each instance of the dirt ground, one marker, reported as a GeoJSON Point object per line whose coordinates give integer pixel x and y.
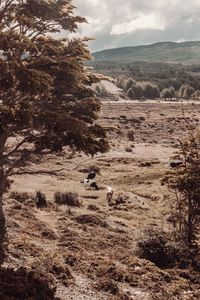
{"type": "Point", "coordinates": [89, 251]}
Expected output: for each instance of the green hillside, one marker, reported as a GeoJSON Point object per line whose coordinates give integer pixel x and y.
{"type": "Point", "coordinates": [170, 52]}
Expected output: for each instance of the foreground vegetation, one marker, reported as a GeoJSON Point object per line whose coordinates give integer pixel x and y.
{"type": "Point", "coordinates": [46, 100]}
{"type": "Point", "coordinates": [69, 240]}
{"type": "Point", "coordinates": [83, 246]}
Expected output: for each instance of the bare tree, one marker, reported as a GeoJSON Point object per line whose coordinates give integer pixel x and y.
{"type": "Point", "coordinates": [184, 182]}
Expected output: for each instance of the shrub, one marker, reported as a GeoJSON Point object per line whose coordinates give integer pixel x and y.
{"type": "Point", "coordinates": [108, 286]}
{"type": "Point", "coordinates": [152, 246]}
{"type": "Point", "coordinates": [101, 91]}
{"type": "Point", "coordinates": [128, 149]}
{"type": "Point", "coordinates": [8, 184]}
{"type": "Point", "coordinates": [40, 200]}
{"type": "Point", "coordinates": [93, 168]}
{"type": "Point", "coordinates": [131, 135]}
{"type": "Point", "coordinates": [20, 197]}
{"type": "Point", "coordinates": [155, 246]}
{"type": "Point", "coordinates": [130, 94]}
{"type": "Point", "coordinates": [21, 284]}
{"type": "Point", "coordinates": [129, 83]}
{"type": "Point", "coordinates": [67, 198]}
{"type": "Point", "coordinates": [186, 91]}
{"type": "Point", "coordinates": [90, 168]}
{"type": "Point", "coordinates": [137, 90]}
{"type": "Point", "coordinates": [93, 207]}
{"type": "Point", "coordinates": [150, 90]}
{"type": "Point", "coordinates": [93, 220]}
{"type": "Point", "coordinates": [167, 93]}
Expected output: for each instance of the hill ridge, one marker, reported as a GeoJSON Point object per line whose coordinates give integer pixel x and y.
{"type": "Point", "coordinates": [176, 52]}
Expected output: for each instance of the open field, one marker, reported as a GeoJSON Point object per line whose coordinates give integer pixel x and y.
{"type": "Point", "coordinates": [89, 251]}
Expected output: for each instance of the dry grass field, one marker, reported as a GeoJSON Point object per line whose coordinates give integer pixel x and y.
{"type": "Point", "coordinates": [89, 251]}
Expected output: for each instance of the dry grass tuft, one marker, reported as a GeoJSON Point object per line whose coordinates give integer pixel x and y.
{"type": "Point", "coordinates": [67, 198]}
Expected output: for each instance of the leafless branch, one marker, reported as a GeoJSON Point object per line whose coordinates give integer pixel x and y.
{"type": "Point", "coordinates": [17, 147]}
{"type": "Point", "coordinates": [50, 172]}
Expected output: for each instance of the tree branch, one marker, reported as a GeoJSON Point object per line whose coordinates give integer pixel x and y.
{"type": "Point", "coordinates": [51, 172]}
{"type": "Point", "coordinates": [17, 147]}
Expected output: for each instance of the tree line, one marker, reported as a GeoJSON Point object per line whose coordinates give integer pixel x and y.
{"type": "Point", "coordinates": [146, 89]}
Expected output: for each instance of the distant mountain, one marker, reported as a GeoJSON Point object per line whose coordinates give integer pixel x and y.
{"type": "Point", "coordinates": [169, 52]}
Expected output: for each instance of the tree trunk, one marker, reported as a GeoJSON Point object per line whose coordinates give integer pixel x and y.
{"type": "Point", "coordinates": [3, 139]}
{"type": "Point", "coordinates": [2, 223]}
{"type": "Point", "coordinates": [2, 217]}
{"type": "Point", "coordinates": [189, 225]}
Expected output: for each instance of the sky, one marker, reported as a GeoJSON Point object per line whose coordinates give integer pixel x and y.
{"type": "Point", "coordinates": [119, 23]}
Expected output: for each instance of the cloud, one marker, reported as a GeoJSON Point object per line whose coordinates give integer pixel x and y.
{"type": "Point", "coordinates": [143, 21]}
{"type": "Point", "coordinates": [116, 23]}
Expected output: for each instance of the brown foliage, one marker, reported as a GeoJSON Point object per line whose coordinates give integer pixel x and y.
{"type": "Point", "coordinates": [21, 284]}
{"type": "Point", "coordinates": [67, 198]}
{"type": "Point", "coordinates": [46, 99]}
{"type": "Point", "coordinates": [93, 220]}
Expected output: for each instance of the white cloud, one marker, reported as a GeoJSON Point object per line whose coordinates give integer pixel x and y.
{"type": "Point", "coordinates": [93, 27]}
{"type": "Point", "coordinates": [131, 22]}
{"type": "Point", "coordinates": [143, 21]}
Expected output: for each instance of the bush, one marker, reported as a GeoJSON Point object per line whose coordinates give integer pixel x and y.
{"type": "Point", "coordinates": [138, 92]}
{"type": "Point", "coordinates": [128, 149]}
{"type": "Point", "coordinates": [93, 168]}
{"type": "Point", "coordinates": [90, 168]}
{"type": "Point", "coordinates": [93, 207]}
{"type": "Point", "coordinates": [67, 198]}
{"type": "Point", "coordinates": [129, 83]}
{"type": "Point", "coordinates": [130, 94]}
{"type": "Point", "coordinates": [40, 200]}
{"type": "Point", "coordinates": [155, 246]}
{"type": "Point", "coordinates": [152, 246]}
{"type": "Point", "coordinates": [21, 284]}
{"type": "Point", "coordinates": [150, 90]}
{"type": "Point", "coordinates": [108, 286]}
{"type": "Point", "coordinates": [20, 197]}
{"type": "Point", "coordinates": [131, 135]}
{"type": "Point", "coordinates": [167, 93]}
{"type": "Point", "coordinates": [101, 91]}
{"type": "Point", "coordinates": [93, 220]}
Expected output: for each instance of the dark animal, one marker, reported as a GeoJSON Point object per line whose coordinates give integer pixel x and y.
{"type": "Point", "coordinates": [91, 175]}
{"type": "Point", "coordinates": [89, 183]}
{"type": "Point", "coordinates": [120, 200]}
{"type": "Point", "coordinates": [175, 163]}
{"type": "Point", "coordinates": [94, 186]}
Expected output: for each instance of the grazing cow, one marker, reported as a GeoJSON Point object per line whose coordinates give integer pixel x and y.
{"type": "Point", "coordinates": [109, 195]}
{"type": "Point", "coordinates": [90, 184]}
